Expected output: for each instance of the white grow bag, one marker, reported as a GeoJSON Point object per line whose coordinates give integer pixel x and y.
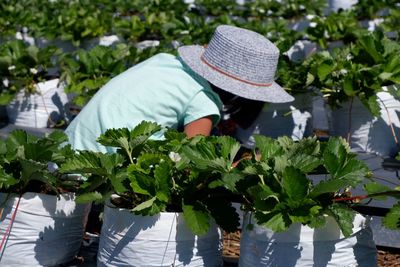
{"type": "Point", "coordinates": [368, 133]}
{"type": "Point", "coordinates": [302, 246]}
{"type": "Point", "coordinates": [335, 5]}
{"type": "Point", "coordinates": [46, 231]}
{"type": "Point", "coordinates": [163, 240]}
{"type": "Point", "coordinates": [277, 119]}
{"type": "Point", "coordinates": [34, 110]}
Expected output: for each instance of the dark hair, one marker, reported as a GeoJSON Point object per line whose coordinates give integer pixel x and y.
{"type": "Point", "coordinates": [242, 110]}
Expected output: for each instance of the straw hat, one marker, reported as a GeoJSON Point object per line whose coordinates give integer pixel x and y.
{"type": "Point", "coordinates": [239, 61]}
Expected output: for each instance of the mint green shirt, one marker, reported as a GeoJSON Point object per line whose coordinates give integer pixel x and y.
{"type": "Point", "coordinates": [160, 89]}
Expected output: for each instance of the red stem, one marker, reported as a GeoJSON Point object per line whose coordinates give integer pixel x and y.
{"type": "Point", "coordinates": [359, 198]}
{"type": "Point", "coordinates": [10, 225]}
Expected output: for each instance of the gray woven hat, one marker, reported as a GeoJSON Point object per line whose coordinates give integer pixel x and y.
{"type": "Point", "coordinates": [239, 61]}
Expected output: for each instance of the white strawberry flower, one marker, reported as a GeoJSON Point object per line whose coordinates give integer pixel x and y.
{"type": "Point", "coordinates": [6, 82]}
{"type": "Point", "coordinates": [11, 67]}
{"type": "Point", "coordinates": [310, 16]}
{"type": "Point", "coordinates": [313, 24]}
{"type": "Point", "coordinates": [33, 70]}
{"type": "Point", "coordinates": [175, 157]}
{"type": "Point", "coordinates": [349, 57]}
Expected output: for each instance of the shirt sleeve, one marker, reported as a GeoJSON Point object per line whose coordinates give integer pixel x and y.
{"type": "Point", "coordinates": [201, 105]}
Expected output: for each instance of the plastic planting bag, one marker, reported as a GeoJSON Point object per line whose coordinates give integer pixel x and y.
{"type": "Point", "coordinates": [38, 110]}
{"type": "Point", "coordinates": [162, 240]}
{"type": "Point", "coordinates": [302, 246]}
{"type": "Point", "coordinates": [40, 230]}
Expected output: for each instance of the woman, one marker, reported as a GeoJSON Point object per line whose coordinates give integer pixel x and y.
{"type": "Point", "coordinates": [234, 71]}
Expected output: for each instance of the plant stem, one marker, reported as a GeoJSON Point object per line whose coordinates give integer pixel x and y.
{"type": "Point", "coordinates": [359, 198]}
{"type": "Point", "coordinates": [390, 122]}
{"type": "Point", "coordinates": [349, 124]}
{"type": "Point", "coordinates": [262, 179]}
{"type": "Point", "coordinates": [129, 153]}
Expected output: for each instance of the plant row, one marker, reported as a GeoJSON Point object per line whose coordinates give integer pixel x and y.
{"type": "Point", "coordinates": [186, 21]}
{"type": "Point", "coordinates": [364, 62]}
{"type": "Point", "coordinates": [359, 69]}
{"type": "Point", "coordinates": [199, 177]}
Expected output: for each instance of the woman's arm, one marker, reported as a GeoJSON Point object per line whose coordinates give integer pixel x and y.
{"type": "Point", "coordinates": [201, 126]}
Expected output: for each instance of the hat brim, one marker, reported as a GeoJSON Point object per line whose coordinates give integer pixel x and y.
{"type": "Point", "coordinates": [274, 93]}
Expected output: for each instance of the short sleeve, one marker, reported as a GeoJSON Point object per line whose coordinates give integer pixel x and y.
{"type": "Point", "coordinates": [202, 105]}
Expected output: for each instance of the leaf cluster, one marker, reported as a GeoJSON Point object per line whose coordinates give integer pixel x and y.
{"type": "Point", "coordinates": [174, 174]}
{"type": "Point", "coordinates": [280, 189]}
{"type": "Point", "coordinates": [200, 177]}
{"type": "Point", "coordinates": [30, 163]}
{"type": "Point", "coordinates": [358, 70]}
{"type": "Point", "coordinates": [22, 66]}
{"type": "Point", "coordinates": [340, 26]}
{"type": "Point", "coordinates": [85, 72]}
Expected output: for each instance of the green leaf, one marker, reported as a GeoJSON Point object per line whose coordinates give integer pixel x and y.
{"type": "Point", "coordinates": [89, 197]}
{"type": "Point", "coordinates": [268, 147]}
{"type": "Point", "coordinates": [276, 223]}
{"type": "Point", "coordinates": [392, 218]}
{"type": "Point", "coordinates": [348, 87]}
{"type": "Point", "coordinates": [197, 220]}
{"type": "Point", "coordinates": [262, 192]}
{"type": "Point", "coordinates": [229, 147]}
{"type": "Point", "coordinates": [204, 157]}
{"type": "Point", "coordinates": [229, 180]}
{"type": "Point", "coordinates": [305, 163]}
{"type": "Point", "coordinates": [264, 198]}
{"type": "Point", "coordinates": [29, 168]}
{"type": "Point", "coordinates": [342, 164]}
{"type": "Point", "coordinates": [115, 138]}
{"type": "Point", "coordinates": [145, 128]}
{"type": "Point", "coordinates": [329, 186]}
{"type": "Point", "coordinates": [344, 216]}
{"type": "Point", "coordinates": [368, 43]}
{"type": "Point", "coordinates": [373, 188]}
{"type": "Point", "coordinates": [6, 180]}
{"type": "Point", "coordinates": [373, 106]}
{"type": "Point", "coordinates": [117, 182]}
{"type": "Point", "coordinates": [385, 75]}
{"type": "Point", "coordinates": [144, 205]}
{"type": "Point", "coordinates": [295, 184]}
{"type": "Point", "coordinates": [324, 70]}
{"type": "Point", "coordinates": [92, 162]}
{"type": "Point", "coordinates": [310, 79]}
{"type": "Point", "coordinates": [162, 175]}
{"type": "Point", "coordinates": [141, 183]}
{"type": "Point", "coordinates": [281, 162]}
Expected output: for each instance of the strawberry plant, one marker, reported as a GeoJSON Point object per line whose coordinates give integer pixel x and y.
{"type": "Point", "coordinates": [27, 163]}
{"type": "Point", "coordinates": [175, 174]}
{"type": "Point", "coordinates": [342, 26]}
{"type": "Point", "coordinates": [199, 178]}
{"type": "Point", "coordinates": [76, 21]}
{"type": "Point", "coordinates": [85, 72]}
{"type": "Point", "coordinates": [293, 76]}
{"type": "Point", "coordinates": [368, 9]}
{"type": "Point", "coordinates": [287, 9]}
{"type": "Point", "coordinates": [22, 66]}
{"type": "Point", "coordinates": [280, 189]}
{"type": "Point", "coordinates": [390, 22]}
{"type": "Point", "coordinates": [359, 70]}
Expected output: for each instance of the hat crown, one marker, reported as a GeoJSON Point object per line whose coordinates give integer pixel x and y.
{"type": "Point", "coordinates": [242, 54]}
